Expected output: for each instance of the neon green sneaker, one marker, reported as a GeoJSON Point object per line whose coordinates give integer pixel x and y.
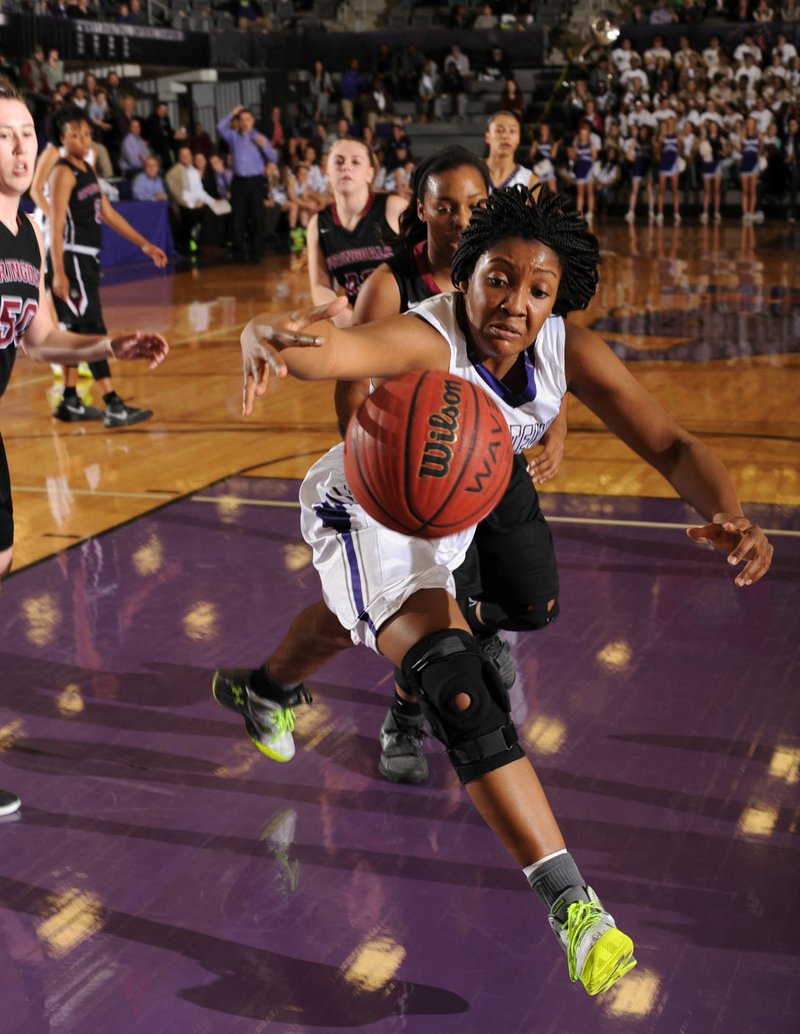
{"type": "Point", "coordinates": [598, 954]}
{"type": "Point", "coordinates": [268, 724]}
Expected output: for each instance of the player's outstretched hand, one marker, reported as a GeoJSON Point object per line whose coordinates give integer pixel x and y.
{"type": "Point", "coordinates": [547, 463]}
{"type": "Point", "coordinates": [743, 541]}
{"type": "Point", "coordinates": [265, 336]}
{"type": "Point", "coordinates": [156, 254]}
{"type": "Point", "coordinates": [140, 346]}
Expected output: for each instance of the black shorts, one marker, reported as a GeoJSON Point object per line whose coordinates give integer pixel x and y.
{"type": "Point", "coordinates": [82, 313]}
{"type": "Point", "coordinates": [6, 509]}
{"type": "Point", "coordinates": [511, 560]}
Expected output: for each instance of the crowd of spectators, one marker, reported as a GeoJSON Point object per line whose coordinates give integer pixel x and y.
{"type": "Point", "coordinates": [717, 106]}
{"type": "Point", "coordinates": [725, 99]}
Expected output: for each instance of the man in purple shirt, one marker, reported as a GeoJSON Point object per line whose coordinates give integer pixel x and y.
{"type": "Point", "coordinates": [249, 150]}
{"type": "Point", "coordinates": [148, 185]}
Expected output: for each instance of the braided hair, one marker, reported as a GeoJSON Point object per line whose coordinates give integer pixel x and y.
{"type": "Point", "coordinates": [411, 229]}
{"type": "Point", "coordinates": [541, 215]}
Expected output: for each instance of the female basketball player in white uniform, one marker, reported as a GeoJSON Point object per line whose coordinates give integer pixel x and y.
{"type": "Point", "coordinates": [502, 137]}
{"type": "Point", "coordinates": [522, 264]}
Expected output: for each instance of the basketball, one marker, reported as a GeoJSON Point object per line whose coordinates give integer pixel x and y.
{"type": "Point", "coordinates": [428, 454]}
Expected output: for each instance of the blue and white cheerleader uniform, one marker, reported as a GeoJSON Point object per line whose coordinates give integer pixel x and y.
{"type": "Point", "coordinates": [751, 149]}
{"type": "Point", "coordinates": [668, 165]}
{"type": "Point", "coordinates": [584, 163]}
{"type": "Point", "coordinates": [642, 160]}
{"type": "Point", "coordinates": [711, 154]}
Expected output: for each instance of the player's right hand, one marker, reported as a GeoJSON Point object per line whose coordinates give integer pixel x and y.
{"type": "Point", "coordinates": [59, 286]}
{"type": "Point", "coordinates": [266, 335]}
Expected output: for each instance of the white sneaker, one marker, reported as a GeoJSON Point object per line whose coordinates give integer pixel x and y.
{"type": "Point", "coordinates": [9, 802]}
{"type": "Point", "coordinates": [704, 218]}
{"type": "Point", "coordinates": [677, 219]}
{"type": "Point", "coordinates": [629, 217]}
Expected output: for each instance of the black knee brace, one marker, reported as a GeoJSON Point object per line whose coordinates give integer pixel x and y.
{"type": "Point", "coordinates": [480, 738]}
{"type": "Point", "coordinates": [522, 617]}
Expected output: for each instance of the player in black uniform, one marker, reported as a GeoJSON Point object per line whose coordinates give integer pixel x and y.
{"type": "Point", "coordinates": [24, 319]}
{"type": "Point", "coordinates": [349, 238]}
{"type": "Point", "coordinates": [79, 208]}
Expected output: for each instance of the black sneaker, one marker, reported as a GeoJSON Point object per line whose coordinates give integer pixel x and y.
{"type": "Point", "coordinates": [269, 724]}
{"type": "Point", "coordinates": [402, 758]}
{"type": "Point", "coordinates": [9, 803]}
{"type": "Point", "coordinates": [498, 652]}
{"type": "Point", "coordinates": [72, 409]}
{"type": "Point", "coordinates": [119, 415]}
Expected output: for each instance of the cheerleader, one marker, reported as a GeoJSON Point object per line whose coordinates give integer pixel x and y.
{"type": "Point", "coordinates": [668, 168]}
{"type": "Point", "coordinates": [585, 157]}
{"type": "Point", "coordinates": [713, 148]}
{"type": "Point", "coordinates": [543, 151]}
{"type": "Point", "coordinates": [749, 169]}
{"type": "Point", "coordinates": [639, 153]}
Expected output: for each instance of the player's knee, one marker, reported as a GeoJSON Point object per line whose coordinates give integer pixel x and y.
{"type": "Point", "coordinates": [464, 701]}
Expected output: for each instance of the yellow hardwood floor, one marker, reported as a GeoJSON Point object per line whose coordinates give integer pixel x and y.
{"type": "Point", "coordinates": [714, 311]}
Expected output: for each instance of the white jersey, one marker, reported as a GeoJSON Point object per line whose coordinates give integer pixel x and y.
{"type": "Point", "coordinates": [530, 414]}
{"type": "Point", "coordinates": [520, 175]}
{"type": "Point", "coordinates": [368, 571]}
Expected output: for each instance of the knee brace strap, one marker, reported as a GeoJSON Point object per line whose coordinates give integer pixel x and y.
{"type": "Point", "coordinates": [520, 618]}
{"type": "Point", "coordinates": [481, 737]}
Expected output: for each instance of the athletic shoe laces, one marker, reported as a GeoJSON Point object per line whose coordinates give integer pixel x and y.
{"type": "Point", "coordinates": [581, 917]}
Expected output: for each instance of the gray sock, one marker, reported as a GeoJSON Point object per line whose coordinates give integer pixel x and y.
{"type": "Point", "coordinates": [554, 876]}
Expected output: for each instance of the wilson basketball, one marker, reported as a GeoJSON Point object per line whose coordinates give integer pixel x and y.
{"type": "Point", "coordinates": [428, 454]}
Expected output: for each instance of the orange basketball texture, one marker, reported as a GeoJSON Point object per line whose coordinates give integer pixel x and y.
{"type": "Point", "coordinates": [428, 454]}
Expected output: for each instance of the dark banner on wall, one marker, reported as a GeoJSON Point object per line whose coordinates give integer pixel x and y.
{"type": "Point", "coordinates": [79, 40]}
{"type": "Point", "coordinates": [104, 42]}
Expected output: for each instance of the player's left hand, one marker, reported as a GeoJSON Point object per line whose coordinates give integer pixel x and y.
{"type": "Point", "coordinates": [266, 335]}
{"type": "Point", "coordinates": [156, 254]}
{"type": "Point", "coordinates": [743, 541]}
{"type": "Point", "coordinates": [547, 463]}
{"type": "Point", "coordinates": [139, 345]}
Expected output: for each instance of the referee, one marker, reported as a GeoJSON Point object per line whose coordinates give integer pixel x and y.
{"type": "Point", "coordinates": [250, 150]}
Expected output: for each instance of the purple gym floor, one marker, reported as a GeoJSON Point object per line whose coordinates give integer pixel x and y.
{"type": "Point", "coordinates": [163, 876]}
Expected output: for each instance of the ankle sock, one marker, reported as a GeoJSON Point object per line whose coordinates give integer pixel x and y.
{"type": "Point", "coordinates": [70, 393]}
{"type": "Point", "coordinates": [402, 708]}
{"type": "Point", "coordinates": [111, 396]}
{"type": "Point", "coordinates": [264, 684]}
{"type": "Point", "coordinates": [552, 875]}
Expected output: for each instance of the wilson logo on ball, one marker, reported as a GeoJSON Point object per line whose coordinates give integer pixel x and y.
{"type": "Point", "coordinates": [428, 454]}
{"type": "Point", "coordinates": [437, 453]}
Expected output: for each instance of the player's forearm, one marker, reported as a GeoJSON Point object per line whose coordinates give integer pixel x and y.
{"type": "Point", "coordinates": [700, 478]}
{"type": "Point", "coordinates": [63, 346]}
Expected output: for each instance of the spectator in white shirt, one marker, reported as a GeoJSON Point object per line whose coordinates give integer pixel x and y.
{"type": "Point", "coordinates": [634, 74]}
{"type": "Point", "coordinates": [761, 114]}
{"type": "Point", "coordinates": [658, 50]}
{"type": "Point", "coordinates": [750, 70]}
{"type": "Point", "coordinates": [713, 55]}
{"type": "Point", "coordinates": [621, 55]}
{"type": "Point", "coordinates": [747, 46]}
{"type": "Point", "coordinates": [189, 197]}
{"type": "Point", "coordinates": [785, 49]}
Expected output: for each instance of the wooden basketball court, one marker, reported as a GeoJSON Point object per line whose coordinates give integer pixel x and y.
{"type": "Point", "coordinates": [164, 876]}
